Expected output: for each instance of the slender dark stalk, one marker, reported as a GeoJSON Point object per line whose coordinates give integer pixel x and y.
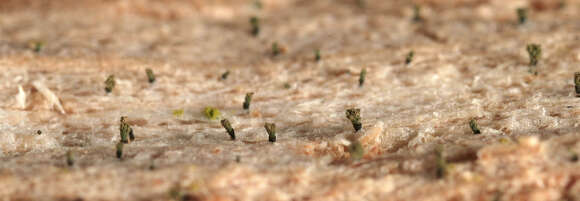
{"type": "Point", "coordinates": [353, 114]}
{"type": "Point", "coordinates": [271, 130]}
{"type": "Point", "coordinates": [248, 100]}
{"type": "Point", "coordinates": [110, 83]}
{"type": "Point", "coordinates": [226, 124]}
{"type": "Point", "coordinates": [362, 77]}
{"type": "Point", "coordinates": [474, 127]}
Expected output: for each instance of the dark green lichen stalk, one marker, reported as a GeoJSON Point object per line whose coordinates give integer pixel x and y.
{"type": "Point", "coordinates": [275, 49]}
{"type": "Point", "coordinates": [110, 83]}
{"type": "Point", "coordinates": [37, 46]}
{"type": "Point", "coordinates": [360, 3]}
{"type": "Point", "coordinates": [474, 127]}
{"type": "Point", "coordinates": [69, 158]}
{"type": "Point", "coordinates": [577, 83]}
{"type": "Point", "coordinates": [441, 166]}
{"type": "Point", "coordinates": [409, 57]}
{"type": "Point", "coordinates": [258, 4]}
{"type": "Point", "coordinates": [417, 13]}
{"type": "Point", "coordinates": [317, 55]}
{"type": "Point", "coordinates": [535, 53]}
{"type": "Point", "coordinates": [119, 150]}
{"type": "Point", "coordinates": [150, 75]}
{"type": "Point", "coordinates": [353, 114]}
{"type": "Point", "coordinates": [522, 15]}
{"type": "Point", "coordinates": [255, 23]}
{"type": "Point", "coordinates": [562, 4]}
{"type": "Point", "coordinates": [362, 77]}
{"type": "Point", "coordinates": [574, 157]}
{"type": "Point", "coordinates": [271, 130]}
{"type": "Point", "coordinates": [125, 131]}
{"type": "Point", "coordinates": [248, 100]}
{"type": "Point", "coordinates": [225, 75]}
{"type": "Point", "coordinates": [497, 196]}
{"type": "Point", "coordinates": [226, 124]}
{"type": "Point", "coordinates": [356, 150]}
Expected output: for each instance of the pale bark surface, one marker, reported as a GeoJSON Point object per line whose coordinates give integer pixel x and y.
{"type": "Point", "coordinates": [470, 62]}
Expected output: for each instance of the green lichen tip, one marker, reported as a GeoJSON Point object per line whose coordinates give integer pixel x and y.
{"type": "Point", "coordinates": [228, 126]}
{"type": "Point", "coordinates": [474, 127]}
{"type": "Point", "coordinates": [441, 164]}
{"type": "Point", "coordinates": [248, 100]}
{"type": "Point", "coordinates": [275, 49]}
{"type": "Point", "coordinates": [271, 130]}
{"type": "Point", "coordinates": [69, 158]}
{"type": "Point", "coordinates": [125, 131]}
{"type": "Point", "coordinates": [362, 77]}
{"type": "Point", "coordinates": [110, 83]}
{"type": "Point", "coordinates": [417, 13]}
{"type": "Point", "coordinates": [225, 75]}
{"type": "Point", "coordinates": [211, 113]}
{"type": "Point", "coordinates": [353, 114]}
{"type": "Point", "coordinates": [409, 57]}
{"type": "Point", "coordinates": [522, 15]}
{"type": "Point", "coordinates": [255, 23]}
{"type": "Point", "coordinates": [150, 75]}
{"type": "Point", "coordinates": [577, 83]}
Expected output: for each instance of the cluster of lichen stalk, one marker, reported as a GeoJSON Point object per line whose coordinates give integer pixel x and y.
{"type": "Point", "coordinates": [352, 114]}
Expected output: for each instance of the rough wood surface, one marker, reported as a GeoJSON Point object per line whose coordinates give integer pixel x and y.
{"type": "Point", "coordinates": [470, 61]}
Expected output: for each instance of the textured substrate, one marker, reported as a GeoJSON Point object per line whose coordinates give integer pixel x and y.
{"type": "Point", "coordinates": [470, 62]}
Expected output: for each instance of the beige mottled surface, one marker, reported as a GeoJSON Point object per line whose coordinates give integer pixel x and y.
{"type": "Point", "coordinates": [470, 62]}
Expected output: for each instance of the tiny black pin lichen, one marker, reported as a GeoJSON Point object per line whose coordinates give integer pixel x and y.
{"type": "Point", "coordinates": [317, 55]}
{"type": "Point", "coordinates": [225, 75]}
{"type": "Point", "coordinates": [69, 158]}
{"type": "Point", "coordinates": [275, 49]}
{"type": "Point", "coordinates": [441, 169]}
{"type": "Point", "coordinates": [409, 57]}
{"type": "Point", "coordinates": [226, 124]}
{"type": "Point", "coordinates": [211, 113]}
{"type": "Point", "coordinates": [110, 83]}
{"type": "Point", "coordinates": [125, 131]}
{"type": "Point", "coordinates": [562, 4]}
{"type": "Point", "coordinates": [577, 83]}
{"type": "Point", "coordinates": [38, 132]}
{"type": "Point", "coordinates": [271, 130]}
{"type": "Point", "coordinates": [362, 77]}
{"type": "Point", "coordinates": [255, 23]}
{"type": "Point", "coordinates": [119, 150]}
{"type": "Point", "coordinates": [36, 46]}
{"type": "Point", "coordinates": [356, 150]}
{"type": "Point", "coordinates": [497, 196]}
{"type": "Point", "coordinates": [258, 4]}
{"type": "Point", "coordinates": [353, 114]}
{"type": "Point", "coordinates": [474, 127]}
{"type": "Point", "coordinates": [360, 3]}
{"type": "Point", "coordinates": [417, 13]}
{"type": "Point", "coordinates": [535, 53]}
{"type": "Point", "coordinates": [574, 157]}
{"type": "Point", "coordinates": [522, 15]}
{"type": "Point", "coordinates": [248, 100]}
{"type": "Point", "coordinates": [152, 165]}
{"type": "Point", "coordinates": [150, 75]}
